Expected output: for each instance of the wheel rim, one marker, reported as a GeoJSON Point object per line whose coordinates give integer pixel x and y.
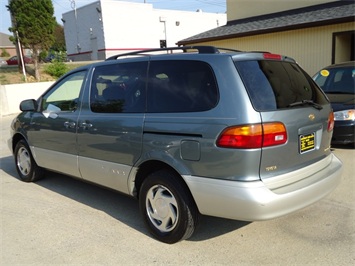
{"type": "Point", "coordinates": [162, 208]}
{"type": "Point", "coordinates": [24, 161]}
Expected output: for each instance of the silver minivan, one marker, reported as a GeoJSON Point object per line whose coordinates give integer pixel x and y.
{"type": "Point", "coordinates": [239, 135]}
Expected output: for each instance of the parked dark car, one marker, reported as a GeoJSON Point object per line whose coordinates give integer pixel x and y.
{"type": "Point", "coordinates": [56, 57]}
{"type": "Point", "coordinates": [14, 60]}
{"type": "Point", "coordinates": [338, 82]}
{"type": "Point", "coordinates": [198, 130]}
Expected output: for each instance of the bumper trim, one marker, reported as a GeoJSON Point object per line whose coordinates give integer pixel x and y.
{"type": "Point", "coordinates": [253, 201]}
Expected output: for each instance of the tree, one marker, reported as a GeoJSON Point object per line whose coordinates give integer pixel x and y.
{"type": "Point", "coordinates": [58, 48]}
{"type": "Point", "coordinates": [59, 42]}
{"type": "Point", "coordinates": [34, 24]}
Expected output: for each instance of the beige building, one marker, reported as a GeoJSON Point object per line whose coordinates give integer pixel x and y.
{"type": "Point", "coordinates": [314, 32]}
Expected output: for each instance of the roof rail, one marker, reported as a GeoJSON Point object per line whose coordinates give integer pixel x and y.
{"type": "Point", "coordinates": [228, 49]}
{"type": "Point", "coordinates": [200, 48]}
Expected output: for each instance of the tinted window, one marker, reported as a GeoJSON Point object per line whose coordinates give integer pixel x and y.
{"type": "Point", "coordinates": [119, 88]}
{"type": "Point", "coordinates": [181, 86]}
{"type": "Point", "coordinates": [274, 84]}
{"type": "Point", "coordinates": [64, 96]}
{"type": "Point", "coordinates": [337, 80]}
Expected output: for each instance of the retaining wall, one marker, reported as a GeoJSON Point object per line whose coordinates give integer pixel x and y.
{"type": "Point", "coordinates": [12, 95]}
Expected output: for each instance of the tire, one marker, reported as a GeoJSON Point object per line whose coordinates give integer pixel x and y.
{"type": "Point", "coordinates": [167, 207]}
{"type": "Point", "coordinates": [26, 166]}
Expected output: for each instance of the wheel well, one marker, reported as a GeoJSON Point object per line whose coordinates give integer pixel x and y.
{"type": "Point", "coordinates": [152, 166]}
{"type": "Point", "coordinates": [15, 139]}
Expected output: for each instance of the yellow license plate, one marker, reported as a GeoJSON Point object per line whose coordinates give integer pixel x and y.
{"type": "Point", "coordinates": [307, 142]}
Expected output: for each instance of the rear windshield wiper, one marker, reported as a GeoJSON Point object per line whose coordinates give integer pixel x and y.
{"type": "Point", "coordinates": [306, 102]}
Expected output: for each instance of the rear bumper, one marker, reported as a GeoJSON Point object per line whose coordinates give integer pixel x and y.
{"type": "Point", "coordinates": [254, 201]}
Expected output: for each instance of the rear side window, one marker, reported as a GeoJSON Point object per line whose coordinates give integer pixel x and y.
{"type": "Point", "coordinates": [119, 88]}
{"type": "Point", "coordinates": [273, 85]}
{"type": "Point", "coordinates": [181, 86]}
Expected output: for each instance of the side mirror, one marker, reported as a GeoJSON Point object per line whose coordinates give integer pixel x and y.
{"type": "Point", "coordinates": [28, 105]}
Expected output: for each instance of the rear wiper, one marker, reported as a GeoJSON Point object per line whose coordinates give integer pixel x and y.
{"type": "Point", "coordinates": [306, 102]}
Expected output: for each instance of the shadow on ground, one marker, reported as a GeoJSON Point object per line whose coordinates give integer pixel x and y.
{"type": "Point", "coordinates": [121, 207]}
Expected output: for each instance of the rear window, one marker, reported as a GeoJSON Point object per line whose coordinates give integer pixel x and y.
{"type": "Point", "coordinates": [273, 85]}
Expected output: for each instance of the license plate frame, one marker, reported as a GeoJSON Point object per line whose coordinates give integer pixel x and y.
{"type": "Point", "coordinates": [307, 142]}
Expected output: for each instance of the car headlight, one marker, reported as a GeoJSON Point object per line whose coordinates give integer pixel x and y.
{"type": "Point", "coordinates": [344, 115]}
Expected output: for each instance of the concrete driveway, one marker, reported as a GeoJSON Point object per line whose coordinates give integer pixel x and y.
{"type": "Point", "coordinates": [59, 220]}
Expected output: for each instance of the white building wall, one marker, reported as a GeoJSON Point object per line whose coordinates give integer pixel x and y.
{"type": "Point", "coordinates": [107, 27]}
{"type": "Point", "coordinates": [128, 26]}
{"type": "Point", "coordinates": [184, 24]}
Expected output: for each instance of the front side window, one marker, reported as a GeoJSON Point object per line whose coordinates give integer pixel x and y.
{"type": "Point", "coordinates": [181, 86]}
{"type": "Point", "coordinates": [273, 85]}
{"type": "Point", "coordinates": [119, 88]}
{"type": "Point", "coordinates": [65, 95]}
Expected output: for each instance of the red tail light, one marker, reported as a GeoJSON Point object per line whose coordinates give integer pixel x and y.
{"type": "Point", "coordinates": [330, 122]}
{"type": "Point", "coordinates": [253, 136]}
{"type": "Point", "coordinates": [272, 56]}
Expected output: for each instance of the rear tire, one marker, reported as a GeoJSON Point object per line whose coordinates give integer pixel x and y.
{"type": "Point", "coordinates": [167, 207]}
{"type": "Point", "coordinates": [26, 166]}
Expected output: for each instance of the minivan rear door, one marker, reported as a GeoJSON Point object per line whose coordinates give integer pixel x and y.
{"type": "Point", "coordinates": [111, 123]}
{"type": "Point", "coordinates": [282, 92]}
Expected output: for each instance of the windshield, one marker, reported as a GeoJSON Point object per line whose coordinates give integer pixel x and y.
{"type": "Point", "coordinates": [273, 85]}
{"type": "Point", "coordinates": [336, 80]}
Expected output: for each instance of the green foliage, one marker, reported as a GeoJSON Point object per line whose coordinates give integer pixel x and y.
{"type": "Point", "coordinates": [60, 56]}
{"type": "Point", "coordinates": [59, 39]}
{"type": "Point", "coordinates": [52, 56]}
{"type": "Point", "coordinates": [42, 55]}
{"type": "Point", "coordinates": [4, 53]}
{"type": "Point", "coordinates": [56, 69]}
{"type": "Point", "coordinates": [34, 24]}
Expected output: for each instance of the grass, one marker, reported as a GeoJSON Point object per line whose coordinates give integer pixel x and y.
{"type": "Point", "coordinates": [12, 75]}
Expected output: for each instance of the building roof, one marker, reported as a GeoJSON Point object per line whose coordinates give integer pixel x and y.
{"type": "Point", "coordinates": [4, 40]}
{"type": "Point", "coordinates": [317, 15]}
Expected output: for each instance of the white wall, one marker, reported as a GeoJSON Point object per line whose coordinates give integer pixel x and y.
{"type": "Point", "coordinates": [129, 25]}
{"type": "Point", "coordinates": [112, 27]}
{"type": "Point", "coordinates": [12, 95]}
{"type": "Point", "coordinates": [184, 24]}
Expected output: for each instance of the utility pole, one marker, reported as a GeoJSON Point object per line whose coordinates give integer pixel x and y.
{"type": "Point", "coordinates": [73, 6]}
{"type": "Point", "coordinates": [13, 23]}
{"type": "Point", "coordinates": [20, 62]}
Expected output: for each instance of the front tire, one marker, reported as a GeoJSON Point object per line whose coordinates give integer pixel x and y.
{"type": "Point", "coordinates": [167, 207]}
{"type": "Point", "coordinates": [26, 166]}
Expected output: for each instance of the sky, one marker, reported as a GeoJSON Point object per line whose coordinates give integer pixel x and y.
{"type": "Point", "coordinates": [63, 6]}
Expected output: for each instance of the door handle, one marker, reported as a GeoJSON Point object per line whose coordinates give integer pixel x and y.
{"type": "Point", "coordinates": [68, 125]}
{"type": "Point", "coordinates": [86, 125]}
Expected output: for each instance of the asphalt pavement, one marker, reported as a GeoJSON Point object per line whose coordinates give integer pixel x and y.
{"type": "Point", "coordinates": [60, 220]}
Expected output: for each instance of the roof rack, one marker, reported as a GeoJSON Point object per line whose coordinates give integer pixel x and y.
{"type": "Point", "coordinates": [228, 49]}
{"type": "Point", "coordinates": [200, 48]}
